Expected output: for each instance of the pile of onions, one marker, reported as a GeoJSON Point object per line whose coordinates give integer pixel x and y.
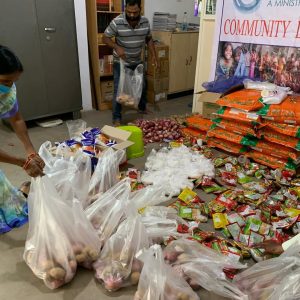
{"type": "Point", "coordinates": [159, 130]}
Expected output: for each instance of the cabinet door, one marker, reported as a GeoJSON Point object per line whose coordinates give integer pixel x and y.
{"type": "Point", "coordinates": [19, 31]}
{"type": "Point", "coordinates": [57, 29]}
{"type": "Point", "coordinates": [192, 60]}
{"type": "Point", "coordinates": [178, 62]}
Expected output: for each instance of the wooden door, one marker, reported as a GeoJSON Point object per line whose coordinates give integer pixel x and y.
{"type": "Point", "coordinates": [178, 62]}
{"type": "Point", "coordinates": [192, 60]}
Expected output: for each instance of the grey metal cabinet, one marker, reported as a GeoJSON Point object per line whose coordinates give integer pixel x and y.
{"type": "Point", "coordinates": [43, 34]}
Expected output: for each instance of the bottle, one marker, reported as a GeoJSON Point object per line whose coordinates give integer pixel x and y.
{"type": "Point", "coordinates": [184, 22]}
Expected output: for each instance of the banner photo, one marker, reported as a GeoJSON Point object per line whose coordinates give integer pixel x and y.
{"type": "Point", "coordinates": [259, 39]}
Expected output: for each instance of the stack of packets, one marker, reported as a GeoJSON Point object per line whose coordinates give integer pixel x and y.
{"type": "Point", "coordinates": [91, 142]}
{"type": "Point", "coordinates": [263, 132]}
{"type": "Point", "coordinates": [252, 204]}
{"type": "Point", "coordinates": [197, 127]}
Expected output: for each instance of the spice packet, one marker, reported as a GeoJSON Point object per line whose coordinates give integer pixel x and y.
{"type": "Point", "coordinates": [227, 199]}
{"type": "Point", "coordinates": [229, 178]}
{"type": "Point", "coordinates": [215, 189]}
{"type": "Point", "coordinates": [285, 223]}
{"type": "Point", "coordinates": [236, 218]}
{"type": "Point", "coordinates": [220, 220]}
{"type": "Point", "coordinates": [255, 238]}
{"type": "Point", "coordinates": [245, 210]}
{"type": "Point", "coordinates": [234, 230]}
{"type": "Point", "coordinates": [252, 224]}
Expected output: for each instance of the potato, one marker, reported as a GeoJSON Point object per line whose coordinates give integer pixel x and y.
{"type": "Point", "coordinates": [46, 265]}
{"type": "Point", "coordinates": [57, 273]}
{"type": "Point", "coordinates": [194, 285]}
{"type": "Point", "coordinates": [171, 257]}
{"type": "Point", "coordinates": [182, 296]}
{"type": "Point", "coordinates": [112, 284]}
{"type": "Point", "coordinates": [77, 248]}
{"type": "Point", "coordinates": [183, 257]}
{"type": "Point", "coordinates": [73, 265]}
{"type": "Point", "coordinates": [135, 277]}
{"type": "Point", "coordinates": [136, 265]}
{"type": "Point", "coordinates": [54, 284]}
{"type": "Point", "coordinates": [90, 253]}
{"type": "Point", "coordinates": [81, 258]}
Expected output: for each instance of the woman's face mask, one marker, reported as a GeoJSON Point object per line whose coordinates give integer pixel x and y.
{"type": "Point", "coordinates": [7, 81]}
{"type": "Point", "coordinates": [4, 89]}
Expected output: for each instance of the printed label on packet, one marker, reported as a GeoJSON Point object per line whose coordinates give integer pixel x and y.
{"type": "Point", "coordinates": [187, 196]}
{"type": "Point", "coordinates": [220, 220]}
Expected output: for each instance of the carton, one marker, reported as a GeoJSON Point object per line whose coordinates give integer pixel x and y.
{"type": "Point", "coordinates": [154, 97]}
{"type": "Point", "coordinates": [157, 84]}
{"type": "Point", "coordinates": [161, 72]}
{"type": "Point", "coordinates": [206, 104]}
{"type": "Point", "coordinates": [107, 90]}
{"type": "Point", "coordinates": [119, 135]}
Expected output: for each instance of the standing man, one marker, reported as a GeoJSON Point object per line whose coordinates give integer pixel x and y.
{"type": "Point", "coordinates": [131, 32]}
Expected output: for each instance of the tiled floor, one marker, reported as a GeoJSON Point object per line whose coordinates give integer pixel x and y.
{"type": "Point", "coordinates": [16, 279]}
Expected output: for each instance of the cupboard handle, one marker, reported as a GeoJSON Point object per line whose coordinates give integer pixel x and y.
{"type": "Point", "coordinates": [50, 29]}
{"type": "Point", "coordinates": [186, 61]}
{"type": "Point", "coordinates": [191, 58]}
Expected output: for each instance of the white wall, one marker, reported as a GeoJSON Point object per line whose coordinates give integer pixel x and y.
{"type": "Point", "coordinates": [171, 6]}
{"type": "Point", "coordinates": [81, 27]}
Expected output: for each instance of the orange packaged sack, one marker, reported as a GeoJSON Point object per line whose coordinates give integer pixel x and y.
{"type": "Point", "coordinates": [291, 130]}
{"type": "Point", "coordinates": [244, 99]}
{"type": "Point", "coordinates": [195, 133]}
{"type": "Point", "coordinates": [230, 136]}
{"type": "Point", "coordinates": [276, 150]}
{"type": "Point", "coordinates": [271, 161]}
{"type": "Point", "coordinates": [286, 112]}
{"type": "Point", "coordinates": [242, 128]}
{"type": "Point", "coordinates": [279, 138]}
{"type": "Point", "coordinates": [238, 115]}
{"type": "Point", "coordinates": [199, 122]}
{"type": "Point", "coordinates": [226, 145]}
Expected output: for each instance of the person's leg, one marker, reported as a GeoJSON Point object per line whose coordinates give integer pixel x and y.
{"type": "Point", "coordinates": [117, 107]}
{"type": "Point", "coordinates": [143, 101]}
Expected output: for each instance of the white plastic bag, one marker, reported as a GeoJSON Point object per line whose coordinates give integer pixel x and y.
{"type": "Point", "coordinates": [108, 210]}
{"type": "Point", "coordinates": [277, 278]}
{"type": "Point", "coordinates": [258, 85]}
{"type": "Point", "coordinates": [106, 173]}
{"type": "Point", "coordinates": [148, 196]}
{"type": "Point", "coordinates": [159, 281]}
{"type": "Point", "coordinates": [76, 127]}
{"type": "Point", "coordinates": [161, 222]}
{"type": "Point", "coordinates": [71, 174]}
{"type": "Point", "coordinates": [275, 96]}
{"type": "Point", "coordinates": [174, 168]}
{"type": "Point", "coordinates": [48, 250]}
{"type": "Point", "coordinates": [117, 266]}
{"type": "Point", "coordinates": [130, 85]}
{"type": "Point", "coordinates": [59, 236]}
{"type": "Point", "coordinates": [204, 267]}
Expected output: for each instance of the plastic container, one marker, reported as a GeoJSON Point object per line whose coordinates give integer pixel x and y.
{"type": "Point", "coordinates": [137, 149]}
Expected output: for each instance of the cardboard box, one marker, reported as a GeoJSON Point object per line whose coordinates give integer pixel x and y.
{"type": "Point", "coordinates": [107, 90]}
{"type": "Point", "coordinates": [155, 97]}
{"type": "Point", "coordinates": [157, 84]}
{"type": "Point", "coordinates": [119, 135]}
{"type": "Point", "coordinates": [206, 104]}
{"type": "Point", "coordinates": [161, 72]}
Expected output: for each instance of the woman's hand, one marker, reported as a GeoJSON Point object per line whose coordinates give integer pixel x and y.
{"type": "Point", "coordinates": [271, 247]}
{"type": "Point", "coordinates": [34, 165]}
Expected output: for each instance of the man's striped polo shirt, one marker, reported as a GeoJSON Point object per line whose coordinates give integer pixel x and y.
{"type": "Point", "coordinates": [131, 39]}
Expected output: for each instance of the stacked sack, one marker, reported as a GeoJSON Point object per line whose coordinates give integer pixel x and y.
{"type": "Point", "coordinates": [197, 127]}
{"type": "Point", "coordinates": [280, 129]}
{"type": "Point", "coordinates": [262, 131]}
{"type": "Point", "coordinates": [236, 124]}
